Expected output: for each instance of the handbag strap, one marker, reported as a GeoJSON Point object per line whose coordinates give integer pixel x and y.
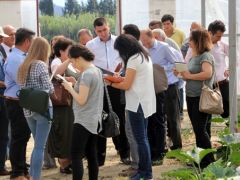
{"type": "Point", "coordinates": [108, 98]}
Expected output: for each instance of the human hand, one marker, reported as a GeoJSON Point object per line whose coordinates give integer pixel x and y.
{"type": "Point", "coordinates": [227, 73]}
{"type": "Point", "coordinates": [186, 74]}
{"type": "Point", "coordinates": [175, 72]}
{"type": "Point", "coordinates": [67, 85]}
{"type": "Point", "coordinates": [71, 79]}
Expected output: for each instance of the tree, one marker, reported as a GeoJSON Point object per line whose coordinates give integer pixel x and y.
{"type": "Point", "coordinates": [107, 7]}
{"type": "Point", "coordinates": [92, 6]}
{"type": "Point", "coordinates": [46, 7]}
{"type": "Point", "coordinates": [71, 7]}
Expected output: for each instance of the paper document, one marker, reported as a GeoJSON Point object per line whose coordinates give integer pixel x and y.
{"type": "Point", "coordinates": [180, 67]}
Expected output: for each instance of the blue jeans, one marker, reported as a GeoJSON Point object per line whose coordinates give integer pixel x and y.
{"type": "Point", "coordinates": [139, 129]}
{"type": "Point", "coordinates": [132, 143]}
{"type": "Point", "coordinates": [40, 127]}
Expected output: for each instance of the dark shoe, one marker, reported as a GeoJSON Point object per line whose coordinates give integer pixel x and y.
{"type": "Point", "coordinates": [4, 172]}
{"type": "Point", "coordinates": [100, 164]}
{"type": "Point", "coordinates": [126, 161]}
{"type": "Point", "coordinates": [65, 170]}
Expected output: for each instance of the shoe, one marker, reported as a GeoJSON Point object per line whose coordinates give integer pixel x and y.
{"type": "Point", "coordinates": [4, 172]}
{"type": "Point", "coordinates": [126, 161]}
{"type": "Point", "coordinates": [66, 170]}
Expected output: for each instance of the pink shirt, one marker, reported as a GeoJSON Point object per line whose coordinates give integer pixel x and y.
{"type": "Point", "coordinates": [220, 52]}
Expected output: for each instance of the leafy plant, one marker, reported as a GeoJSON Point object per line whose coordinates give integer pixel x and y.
{"type": "Point", "coordinates": [194, 157]}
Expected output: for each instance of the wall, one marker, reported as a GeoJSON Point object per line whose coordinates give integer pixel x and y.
{"type": "Point", "coordinates": [19, 13]}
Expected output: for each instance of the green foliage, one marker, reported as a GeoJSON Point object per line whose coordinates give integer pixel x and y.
{"type": "Point", "coordinates": [107, 7]}
{"type": "Point", "coordinates": [218, 170]}
{"type": "Point", "coordinates": [218, 120]}
{"type": "Point", "coordinates": [46, 7]}
{"type": "Point", "coordinates": [92, 6]}
{"type": "Point", "coordinates": [195, 155]}
{"type": "Point", "coordinates": [69, 25]}
{"type": "Point", "coordinates": [183, 174]}
{"type": "Point", "coordinates": [71, 7]}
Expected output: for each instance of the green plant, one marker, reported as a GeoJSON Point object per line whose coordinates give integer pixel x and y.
{"type": "Point", "coordinates": [194, 157]}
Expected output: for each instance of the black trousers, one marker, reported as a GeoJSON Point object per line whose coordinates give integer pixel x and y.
{"type": "Point", "coordinates": [20, 134]}
{"type": "Point", "coordinates": [84, 143]}
{"type": "Point", "coordinates": [3, 134]}
{"type": "Point", "coordinates": [224, 88]}
{"type": "Point", "coordinates": [200, 124]}
{"type": "Point", "coordinates": [173, 116]}
{"type": "Point", "coordinates": [120, 142]}
{"type": "Point", "coordinates": [157, 128]}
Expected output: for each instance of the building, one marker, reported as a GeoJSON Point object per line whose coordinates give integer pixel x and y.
{"type": "Point", "coordinates": [19, 13]}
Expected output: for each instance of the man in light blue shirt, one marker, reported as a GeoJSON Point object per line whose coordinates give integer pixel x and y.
{"type": "Point", "coordinates": [162, 55]}
{"type": "Point", "coordinates": [20, 132]}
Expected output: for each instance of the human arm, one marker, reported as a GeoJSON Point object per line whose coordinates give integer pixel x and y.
{"type": "Point", "coordinates": [205, 74]}
{"type": "Point", "coordinates": [59, 68]}
{"type": "Point", "coordinates": [80, 97]}
{"type": "Point", "coordinates": [127, 82]}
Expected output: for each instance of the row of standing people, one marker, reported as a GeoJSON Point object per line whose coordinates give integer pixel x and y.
{"type": "Point", "coordinates": [148, 42]}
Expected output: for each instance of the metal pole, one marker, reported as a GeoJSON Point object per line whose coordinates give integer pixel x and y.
{"type": "Point", "coordinates": [203, 13]}
{"type": "Point", "coordinates": [232, 65]}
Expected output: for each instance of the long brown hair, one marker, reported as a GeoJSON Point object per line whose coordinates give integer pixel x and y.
{"type": "Point", "coordinates": [39, 50]}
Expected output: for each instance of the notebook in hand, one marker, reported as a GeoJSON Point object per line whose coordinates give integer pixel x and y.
{"type": "Point", "coordinates": [181, 67]}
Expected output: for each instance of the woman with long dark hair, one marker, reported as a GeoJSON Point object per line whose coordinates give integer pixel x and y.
{"type": "Point", "coordinates": [140, 96]}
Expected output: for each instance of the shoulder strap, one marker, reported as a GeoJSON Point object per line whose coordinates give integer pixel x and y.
{"type": "Point", "coordinates": [3, 52]}
{"type": "Point", "coordinates": [108, 98]}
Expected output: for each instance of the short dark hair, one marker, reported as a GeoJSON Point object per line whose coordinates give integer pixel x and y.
{"type": "Point", "coordinates": [22, 34]}
{"type": "Point", "coordinates": [154, 22]}
{"type": "Point", "coordinates": [78, 50]}
{"type": "Point", "coordinates": [167, 17]}
{"type": "Point", "coordinates": [99, 22]}
{"type": "Point", "coordinates": [127, 46]}
{"type": "Point", "coordinates": [61, 44]}
{"type": "Point", "coordinates": [216, 26]}
{"type": "Point", "coordinates": [202, 40]}
{"type": "Point", "coordinates": [133, 30]}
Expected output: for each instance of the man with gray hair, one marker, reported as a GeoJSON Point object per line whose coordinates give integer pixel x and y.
{"type": "Point", "coordinates": [160, 35]}
{"type": "Point", "coordinates": [84, 35]}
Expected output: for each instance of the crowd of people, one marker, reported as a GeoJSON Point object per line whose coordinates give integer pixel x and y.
{"type": "Point", "coordinates": [150, 121]}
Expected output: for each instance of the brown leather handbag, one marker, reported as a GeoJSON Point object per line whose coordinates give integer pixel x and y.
{"type": "Point", "coordinates": [61, 96]}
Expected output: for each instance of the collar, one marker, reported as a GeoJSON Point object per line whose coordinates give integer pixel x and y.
{"type": "Point", "coordinates": [6, 48]}
{"type": "Point", "coordinates": [154, 44]}
{"type": "Point", "coordinates": [109, 38]}
{"type": "Point", "coordinates": [18, 51]}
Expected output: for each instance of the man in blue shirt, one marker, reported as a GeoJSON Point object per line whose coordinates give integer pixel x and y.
{"type": "Point", "coordinates": [20, 132]}
{"type": "Point", "coordinates": [162, 55]}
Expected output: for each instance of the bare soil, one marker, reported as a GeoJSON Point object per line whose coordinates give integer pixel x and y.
{"type": "Point", "coordinates": [112, 167]}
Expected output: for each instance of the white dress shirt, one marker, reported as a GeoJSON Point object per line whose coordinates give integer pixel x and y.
{"type": "Point", "coordinates": [142, 90]}
{"type": "Point", "coordinates": [220, 53]}
{"type": "Point", "coordinates": [6, 48]}
{"type": "Point", "coordinates": [106, 57]}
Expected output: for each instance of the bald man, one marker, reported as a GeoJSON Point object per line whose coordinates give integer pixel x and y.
{"type": "Point", "coordinates": [185, 46]}
{"type": "Point", "coordinates": [8, 42]}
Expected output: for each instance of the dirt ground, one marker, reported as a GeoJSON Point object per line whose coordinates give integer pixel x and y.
{"type": "Point", "coordinates": [113, 167]}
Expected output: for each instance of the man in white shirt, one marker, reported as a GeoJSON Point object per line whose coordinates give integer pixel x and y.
{"type": "Point", "coordinates": [8, 42]}
{"type": "Point", "coordinates": [106, 57]}
{"type": "Point", "coordinates": [220, 54]}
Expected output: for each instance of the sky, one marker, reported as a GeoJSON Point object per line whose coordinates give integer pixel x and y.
{"type": "Point", "coordinates": [62, 2]}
